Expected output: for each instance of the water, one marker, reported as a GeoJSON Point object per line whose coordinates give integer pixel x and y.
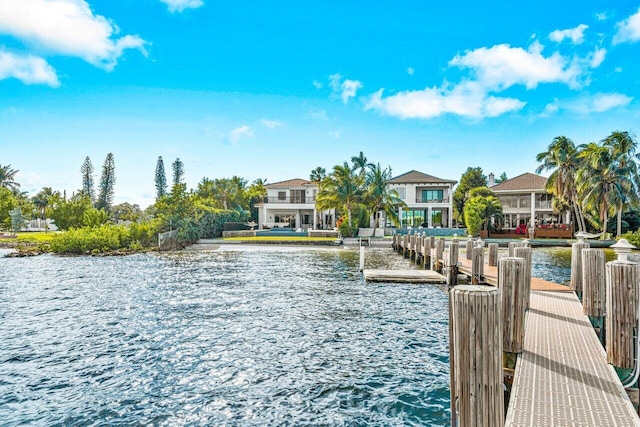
{"type": "Point", "coordinates": [237, 337]}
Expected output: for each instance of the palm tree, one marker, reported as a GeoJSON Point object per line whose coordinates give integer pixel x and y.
{"type": "Point", "coordinates": [318, 174]}
{"type": "Point", "coordinates": [7, 178]}
{"type": "Point", "coordinates": [378, 197]}
{"type": "Point", "coordinates": [601, 181]}
{"type": "Point", "coordinates": [623, 149]}
{"type": "Point", "coordinates": [562, 158]}
{"type": "Point", "coordinates": [342, 189]}
{"type": "Point", "coordinates": [360, 162]}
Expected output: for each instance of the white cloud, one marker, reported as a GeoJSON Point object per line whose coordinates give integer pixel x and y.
{"type": "Point", "coordinates": [66, 27]}
{"type": "Point", "coordinates": [628, 30]}
{"type": "Point", "coordinates": [30, 181]}
{"type": "Point", "coordinates": [344, 89]}
{"type": "Point", "coordinates": [336, 134]}
{"type": "Point", "coordinates": [597, 57]}
{"type": "Point", "coordinates": [28, 69]}
{"type": "Point", "coordinates": [502, 66]}
{"type": "Point", "coordinates": [602, 16]}
{"type": "Point", "coordinates": [317, 84]}
{"type": "Point", "coordinates": [180, 5]}
{"type": "Point", "coordinates": [319, 115]}
{"type": "Point", "coordinates": [271, 124]}
{"type": "Point", "coordinates": [597, 103]}
{"type": "Point", "coordinates": [410, 71]}
{"type": "Point", "coordinates": [238, 133]}
{"type": "Point", "coordinates": [575, 34]}
{"type": "Point", "coordinates": [467, 99]}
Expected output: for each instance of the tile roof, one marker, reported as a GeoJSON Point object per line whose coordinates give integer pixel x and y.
{"type": "Point", "coordinates": [526, 181]}
{"type": "Point", "coordinates": [297, 182]}
{"type": "Point", "coordinates": [415, 177]}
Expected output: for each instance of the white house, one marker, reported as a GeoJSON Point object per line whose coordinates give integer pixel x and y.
{"type": "Point", "coordinates": [292, 204]}
{"type": "Point", "coordinates": [526, 202]}
{"type": "Point", "coordinates": [429, 199]}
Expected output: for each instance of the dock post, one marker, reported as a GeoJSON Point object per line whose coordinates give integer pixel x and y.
{"type": "Point", "coordinates": [361, 258]}
{"type": "Point", "coordinates": [576, 264]}
{"type": "Point", "coordinates": [405, 244]}
{"type": "Point", "coordinates": [438, 255]}
{"type": "Point", "coordinates": [594, 289]}
{"type": "Point", "coordinates": [469, 247]}
{"type": "Point", "coordinates": [525, 253]}
{"type": "Point", "coordinates": [622, 277]}
{"type": "Point", "coordinates": [511, 281]}
{"type": "Point", "coordinates": [432, 245]}
{"type": "Point", "coordinates": [475, 350]}
{"type": "Point", "coordinates": [512, 247]}
{"type": "Point", "coordinates": [426, 253]}
{"type": "Point", "coordinates": [477, 265]}
{"type": "Point", "coordinates": [493, 254]}
{"type": "Point", "coordinates": [451, 263]}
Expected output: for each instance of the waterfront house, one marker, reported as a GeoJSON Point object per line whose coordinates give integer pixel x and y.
{"type": "Point", "coordinates": [526, 202]}
{"type": "Point", "coordinates": [292, 204]}
{"type": "Point", "coordinates": [428, 198]}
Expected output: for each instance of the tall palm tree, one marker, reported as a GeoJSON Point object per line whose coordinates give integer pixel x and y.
{"type": "Point", "coordinates": [341, 189]}
{"type": "Point", "coordinates": [360, 162]}
{"type": "Point", "coordinates": [623, 149]}
{"type": "Point", "coordinates": [379, 197]}
{"type": "Point", "coordinates": [318, 174]}
{"type": "Point", "coordinates": [7, 178]}
{"type": "Point", "coordinates": [601, 180]}
{"type": "Point", "coordinates": [562, 158]}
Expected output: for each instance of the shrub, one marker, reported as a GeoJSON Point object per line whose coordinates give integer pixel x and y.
{"type": "Point", "coordinates": [633, 237]}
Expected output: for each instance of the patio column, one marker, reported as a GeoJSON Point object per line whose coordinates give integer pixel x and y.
{"type": "Point", "coordinates": [298, 222]}
{"type": "Point", "coordinates": [315, 219]}
{"type": "Point", "coordinates": [429, 217]}
{"type": "Point", "coordinates": [449, 218]}
{"type": "Point", "coordinates": [400, 215]}
{"type": "Point", "coordinates": [533, 209]}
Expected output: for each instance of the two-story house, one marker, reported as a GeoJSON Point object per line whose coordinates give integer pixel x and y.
{"type": "Point", "coordinates": [428, 198]}
{"type": "Point", "coordinates": [526, 202]}
{"type": "Point", "coordinates": [292, 204]}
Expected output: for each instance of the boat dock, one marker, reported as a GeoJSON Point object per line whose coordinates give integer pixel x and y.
{"type": "Point", "coordinates": [404, 276]}
{"type": "Point", "coordinates": [561, 377]}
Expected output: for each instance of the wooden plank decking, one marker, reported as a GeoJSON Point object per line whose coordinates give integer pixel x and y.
{"type": "Point", "coordinates": [404, 276]}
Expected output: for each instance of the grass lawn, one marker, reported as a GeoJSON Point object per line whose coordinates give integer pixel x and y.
{"type": "Point", "coordinates": [281, 239]}
{"type": "Point", "coordinates": [30, 236]}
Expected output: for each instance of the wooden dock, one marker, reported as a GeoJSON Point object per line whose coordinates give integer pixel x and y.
{"type": "Point", "coordinates": [403, 276]}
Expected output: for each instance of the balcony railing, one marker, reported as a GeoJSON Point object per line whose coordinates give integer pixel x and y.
{"type": "Point", "coordinates": [545, 204]}
{"type": "Point", "coordinates": [291, 200]}
{"type": "Point", "coordinates": [421, 200]}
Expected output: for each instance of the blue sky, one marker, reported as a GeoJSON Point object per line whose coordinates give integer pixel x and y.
{"type": "Point", "coordinates": [272, 89]}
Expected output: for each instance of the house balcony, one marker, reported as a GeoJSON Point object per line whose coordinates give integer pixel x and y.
{"type": "Point", "coordinates": [432, 201]}
{"type": "Point", "coordinates": [291, 200]}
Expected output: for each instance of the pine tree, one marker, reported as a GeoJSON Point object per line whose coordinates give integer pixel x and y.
{"type": "Point", "coordinates": [87, 179]}
{"type": "Point", "coordinates": [178, 171]}
{"type": "Point", "coordinates": [161, 179]}
{"type": "Point", "coordinates": [107, 183]}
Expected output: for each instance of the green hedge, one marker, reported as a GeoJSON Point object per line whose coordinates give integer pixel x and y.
{"type": "Point", "coordinates": [105, 238]}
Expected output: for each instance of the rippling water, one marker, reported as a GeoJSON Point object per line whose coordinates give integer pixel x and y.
{"type": "Point", "coordinates": [233, 337]}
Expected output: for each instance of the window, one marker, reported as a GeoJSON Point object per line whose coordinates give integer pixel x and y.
{"type": "Point", "coordinates": [525, 201]}
{"type": "Point", "coordinates": [282, 195]}
{"type": "Point", "coordinates": [432, 195]}
{"type": "Point", "coordinates": [402, 192]}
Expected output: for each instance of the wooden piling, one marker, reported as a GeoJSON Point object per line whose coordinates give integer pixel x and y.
{"type": "Point", "coordinates": [512, 247]}
{"type": "Point", "coordinates": [477, 265]}
{"type": "Point", "coordinates": [493, 254]}
{"type": "Point", "coordinates": [576, 266]}
{"type": "Point", "coordinates": [405, 244]}
{"type": "Point", "coordinates": [594, 284]}
{"type": "Point", "coordinates": [469, 247]}
{"type": "Point", "coordinates": [525, 253]}
{"type": "Point", "coordinates": [451, 263]}
{"type": "Point", "coordinates": [438, 255]}
{"type": "Point", "coordinates": [511, 281]}
{"type": "Point", "coordinates": [426, 253]}
{"type": "Point", "coordinates": [622, 278]}
{"type": "Point", "coordinates": [475, 356]}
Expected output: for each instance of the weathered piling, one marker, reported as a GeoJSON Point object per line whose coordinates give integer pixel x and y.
{"type": "Point", "coordinates": [419, 245]}
{"type": "Point", "coordinates": [594, 289]}
{"type": "Point", "coordinates": [361, 258]}
{"type": "Point", "coordinates": [526, 253]}
{"type": "Point", "coordinates": [477, 265]}
{"type": "Point", "coordinates": [405, 245]}
{"type": "Point", "coordinates": [451, 263]}
{"type": "Point", "coordinates": [438, 255]}
{"type": "Point", "coordinates": [469, 247]}
{"type": "Point", "coordinates": [576, 266]}
{"type": "Point", "coordinates": [512, 247]}
{"type": "Point", "coordinates": [475, 334]}
{"type": "Point", "coordinates": [493, 255]}
{"type": "Point", "coordinates": [511, 281]}
{"type": "Point", "coordinates": [622, 278]}
{"type": "Point", "coordinates": [412, 247]}
{"type": "Point", "coordinates": [426, 253]}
